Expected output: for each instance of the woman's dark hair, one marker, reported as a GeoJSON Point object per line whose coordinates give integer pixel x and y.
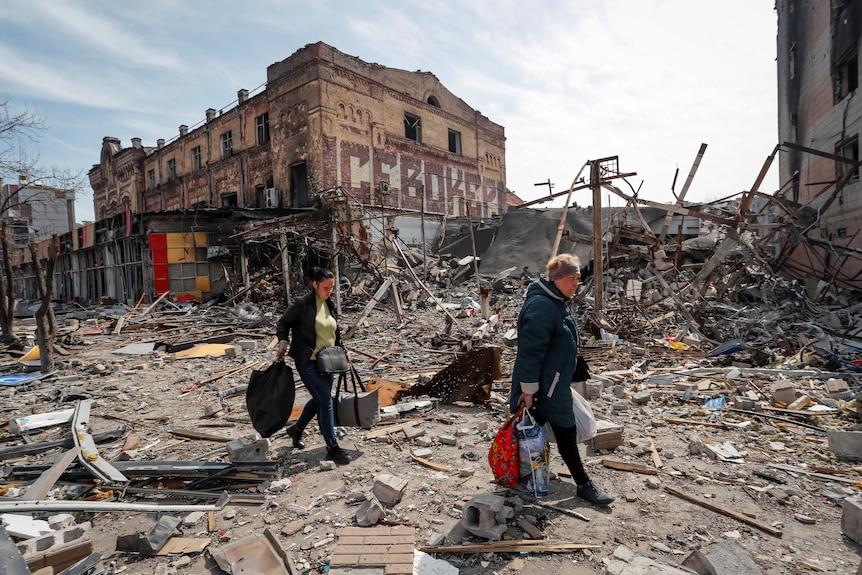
{"type": "Point", "coordinates": [320, 274]}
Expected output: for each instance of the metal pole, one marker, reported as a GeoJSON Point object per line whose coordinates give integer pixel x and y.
{"type": "Point", "coordinates": [424, 250]}
{"type": "Point", "coordinates": [285, 265]}
{"type": "Point", "coordinates": [598, 263]}
{"type": "Point", "coordinates": [335, 268]}
{"type": "Point", "coordinates": [473, 242]}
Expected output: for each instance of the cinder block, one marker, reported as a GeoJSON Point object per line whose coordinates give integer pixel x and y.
{"type": "Point", "coordinates": [724, 557]}
{"type": "Point", "coordinates": [388, 489]}
{"type": "Point", "coordinates": [838, 388]}
{"type": "Point", "coordinates": [609, 435]}
{"type": "Point", "coordinates": [783, 392]}
{"type": "Point", "coordinates": [851, 518]}
{"type": "Point", "coordinates": [59, 549]}
{"type": "Point", "coordinates": [847, 444]}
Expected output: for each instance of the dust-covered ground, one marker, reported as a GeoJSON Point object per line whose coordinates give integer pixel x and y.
{"type": "Point", "coordinates": [145, 392]}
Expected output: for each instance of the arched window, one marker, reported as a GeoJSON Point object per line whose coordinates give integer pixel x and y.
{"type": "Point", "coordinates": [433, 101]}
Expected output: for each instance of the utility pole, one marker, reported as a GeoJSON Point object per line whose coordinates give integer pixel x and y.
{"type": "Point", "coordinates": [549, 184]}
{"type": "Point", "coordinates": [598, 264]}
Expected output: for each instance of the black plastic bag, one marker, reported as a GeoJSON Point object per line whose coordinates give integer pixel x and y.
{"type": "Point", "coordinates": [582, 370]}
{"type": "Point", "coordinates": [269, 397]}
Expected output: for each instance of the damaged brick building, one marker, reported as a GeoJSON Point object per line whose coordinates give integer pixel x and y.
{"type": "Point", "coordinates": [385, 138]}
{"type": "Point", "coordinates": [819, 121]}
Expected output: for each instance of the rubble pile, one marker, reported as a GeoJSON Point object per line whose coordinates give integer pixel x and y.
{"type": "Point", "coordinates": [728, 428]}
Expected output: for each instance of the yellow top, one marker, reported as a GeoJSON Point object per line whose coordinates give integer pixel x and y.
{"type": "Point", "coordinates": [324, 327]}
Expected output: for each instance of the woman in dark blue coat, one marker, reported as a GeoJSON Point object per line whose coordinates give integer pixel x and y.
{"type": "Point", "coordinates": [542, 375]}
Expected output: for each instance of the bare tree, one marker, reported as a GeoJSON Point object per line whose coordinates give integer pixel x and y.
{"type": "Point", "coordinates": [46, 322]}
{"type": "Point", "coordinates": [19, 131]}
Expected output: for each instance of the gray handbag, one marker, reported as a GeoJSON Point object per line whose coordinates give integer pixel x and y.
{"type": "Point", "coordinates": [357, 409]}
{"type": "Point", "coordinates": [332, 359]}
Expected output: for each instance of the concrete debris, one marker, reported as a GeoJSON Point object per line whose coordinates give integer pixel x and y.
{"type": "Point", "coordinates": [737, 383]}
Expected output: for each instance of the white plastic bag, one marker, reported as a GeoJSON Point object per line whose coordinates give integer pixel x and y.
{"type": "Point", "coordinates": [584, 418]}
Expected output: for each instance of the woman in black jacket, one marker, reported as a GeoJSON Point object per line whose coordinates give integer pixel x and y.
{"type": "Point", "coordinates": [313, 325]}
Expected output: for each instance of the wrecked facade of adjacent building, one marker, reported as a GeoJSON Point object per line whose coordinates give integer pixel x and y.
{"type": "Point", "coordinates": [819, 123]}
{"type": "Point", "coordinates": [392, 141]}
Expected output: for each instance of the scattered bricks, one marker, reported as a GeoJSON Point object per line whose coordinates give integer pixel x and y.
{"type": "Point", "coordinates": [626, 560]}
{"type": "Point", "coordinates": [63, 379]}
{"type": "Point", "coordinates": [412, 431]}
{"type": "Point", "coordinates": [485, 516]}
{"type": "Point", "coordinates": [783, 392]}
{"type": "Point", "coordinates": [424, 441]}
{"type": "Point", "coordinates": [837, 388]}
{"type": "Point", "coordinates": [59, 549]}
{"type": "Point", "coordinates": [641, 398]}
{"type": "Point", "coordinates": [279, 485]}
{"type": "Point", "coordinates": [462, 432]}
{"type": "Point", "coordinates": [230, 352]}
{"type": "Point", "coordinates": [193, 518]}
{"type": "Point", "coordinates": [609, 435]}
{"type": "Point", "coordinates": [851, 518]}
{"type": "Point", "coordinates": [448, 440]}
{"type": "Point", "coordinates": [653, 482]}
{"type": "Point", "coordinates": [369, 513]}
{"type": "Point", "coordinates": [247, 344]}
{"type": "Point", "coordinates": [423, 452]}
{"type": "Point", "coordinates": [724, 557]}
{"type": "Point", "coordinates": [745, 403]}
{"type": "Point", "coordinates": [211, 409]}
{"type": "Point", "coordinates": [388, 489]}
{"type": "Point", "coordinates": [847, 444]}
{"type": "Point", "coordinates": [249, 448]}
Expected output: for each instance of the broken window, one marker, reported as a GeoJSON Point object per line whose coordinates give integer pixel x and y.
{"type": "Point", "coordinates": [434, 101]}
{"type": "Point", "coordinates": [849, 149]}
{"type": "Point", "coordinates": [845, 75]}
{"type": "Point", "coordinates": [842, 232]}
{"type": "Point", "coordinates": [196, 158]}
{"type": "Point", "coordinates": [172, 169]}
{"type": "Point", "coordinates": [299, 185]}
{"type": "Point", "coordinates": [226, 145]}
{"type": "Point", "coordinates": [151, 180]}
{"type": "Point", "coordinates": [229, 200]}
{"type": "Point", "coordinates": [455, 142]}
{"type": "Point", "coordinates": [262, 122]}
{"type": "Point", "coordinates": [412, 127]}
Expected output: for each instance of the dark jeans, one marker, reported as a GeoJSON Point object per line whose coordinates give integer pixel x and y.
{"type": "Point", "coordinates": [320, 404]}
{"type": "Point", "coordinates": [567, 443]}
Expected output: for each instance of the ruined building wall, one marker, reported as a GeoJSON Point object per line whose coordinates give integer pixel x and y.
{"type": "Point", "coordinates": [818, 48]}
{"type": "Point", "coordinates": [357, 139]}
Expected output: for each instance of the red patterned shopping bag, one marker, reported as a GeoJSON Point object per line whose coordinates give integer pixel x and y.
{"type": "Point", "coordinates": [503, 456]}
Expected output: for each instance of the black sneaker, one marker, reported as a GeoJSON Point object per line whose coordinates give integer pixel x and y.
{"type": "Point", "coordinates": [296, 436]}
{"type": "Point", "coordinates": [337, 455]}
{"type": "Point", "coordinates": [594, 495]}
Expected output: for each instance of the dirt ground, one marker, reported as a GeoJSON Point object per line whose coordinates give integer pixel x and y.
{"type": "Point", "coordinates": [145, 392]}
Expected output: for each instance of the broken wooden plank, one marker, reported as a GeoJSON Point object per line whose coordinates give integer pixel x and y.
{"type": "Point", "coordinates": [512, 546]}
{"type": "Point", "coordinates": [382, 430]}
{"type": "Point", "coordinates": [623, 466]}
{"type": "Point", "coordinates": [656, 460]}
{"type": "Point", "coordinates": [192, 434]}
{"type": "Point", "coordinates": [160, 298]}
{"type": "Point", "coordinates": [432, 465]}
{"type": "Point", "coordinates": [733, 514]}
{"type": "Point", "coordinates": [693, 422]}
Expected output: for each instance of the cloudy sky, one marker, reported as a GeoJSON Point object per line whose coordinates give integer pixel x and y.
{"type": "Point", "coordinates": [573, 80]}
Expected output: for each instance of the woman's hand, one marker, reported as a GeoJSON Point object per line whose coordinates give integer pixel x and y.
{"type": "Point", "coordinates": [527, 400]}
{"type": "Point", "coordinates": [282, 349]}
